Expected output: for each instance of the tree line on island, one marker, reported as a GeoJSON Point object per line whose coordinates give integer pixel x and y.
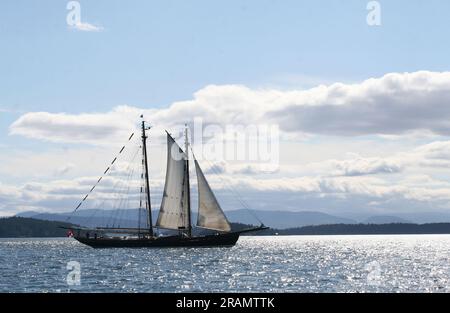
{"type": "Point", "coordinates": [20, 227]}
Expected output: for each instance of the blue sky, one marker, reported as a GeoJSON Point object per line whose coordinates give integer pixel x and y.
{"type": "Point", "coordinates": [150, 54]}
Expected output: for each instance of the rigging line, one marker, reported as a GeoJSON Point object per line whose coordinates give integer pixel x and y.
{"type": "Point", "coordinates": [141, 188]}
{"type": "Point", "coordinates": [115, 209]}
{"type": "Point", "coordinates": [116, 215]}
{"type": "Point", "coordinates": [95, 185]}
{"type": "Point", "coordinates": [140, 204]}
{"type": "Point", "coordinates": [120, 186]}
{"type": "Point", "coordinates": [232, 189]}
{"type": "Point", "coordinates": [122, 208]}
{"type": "Point", "coordinates": [140, 200]}
{"type": "Point", "coordinates": [133, 197]}
{"type": "Point", "coordinates": [97, 209]}
{"type": "Point", "coordinates": [141, 193]}
{"type": "Point", "coordinates": [124, 201]}
{"type": "Point", "coordinates": [118, 204]}
{"type": "Point", "coordinates": [99, 205]}
{"type": "Point", "coordinates": [127, 199]}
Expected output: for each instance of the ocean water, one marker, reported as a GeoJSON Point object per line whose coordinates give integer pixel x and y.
{"type": "Point", "coordinates": [418, 263]}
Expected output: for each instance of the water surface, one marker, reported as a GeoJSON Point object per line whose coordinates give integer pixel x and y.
{"type": "Point", "coordinates": [388, 263]}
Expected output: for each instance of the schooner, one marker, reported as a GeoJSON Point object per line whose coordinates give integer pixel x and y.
{"type": "Point", "coordinates": [175, 210]}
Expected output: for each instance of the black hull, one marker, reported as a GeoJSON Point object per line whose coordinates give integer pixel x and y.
{"type": "Point", "coordinates": [222, 240]}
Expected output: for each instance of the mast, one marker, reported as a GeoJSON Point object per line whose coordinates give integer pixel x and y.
{"type": "Point", "coordinates": [147, 185]}
{"type": "Point", "coordinates": [186, 147]}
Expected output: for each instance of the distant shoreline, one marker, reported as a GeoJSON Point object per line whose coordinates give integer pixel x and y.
{"type": "Point", "coordinates": [21, 227]}
{"type": "Point", "coordinates": [368, 229]}
{"type": "Point", "coordinates": [243, 236]}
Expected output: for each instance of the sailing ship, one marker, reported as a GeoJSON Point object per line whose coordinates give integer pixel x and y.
{"type": "Point", "coordinates": [175, 210]}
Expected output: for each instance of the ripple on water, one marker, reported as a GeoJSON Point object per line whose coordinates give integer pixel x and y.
{"type": "Point", "coordinates": [276, 264]}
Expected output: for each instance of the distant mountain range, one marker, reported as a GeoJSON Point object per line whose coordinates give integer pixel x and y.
{"type": "Point", "coordinates": [286, 219]}
{"type": "Point", "coordinates": [385, 219]}
{"type": "Point", "coordinates": [128, 218]}
{"type": "Point", "coordinates": [91, 218]}
{"type": "Point", "coordinates": [273, 219]}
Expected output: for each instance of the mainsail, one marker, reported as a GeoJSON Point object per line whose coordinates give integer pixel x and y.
{"type": "Point", "coordinates": [174, 212]}
{"type": "Point", "coordinates": [210, 215]}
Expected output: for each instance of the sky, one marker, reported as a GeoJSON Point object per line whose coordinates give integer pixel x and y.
{"type": "Point", "coordinates": [363, 111]}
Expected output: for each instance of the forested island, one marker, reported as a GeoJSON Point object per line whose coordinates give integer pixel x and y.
{"type": "Point", "coordinates": [369, 229]}
{"type": "Point", "coordinates": [19, 227]}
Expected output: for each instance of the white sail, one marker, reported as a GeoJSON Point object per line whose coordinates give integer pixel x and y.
{"type": "Point", "coordinates": [210, 215]}
{"type": "Point", "coordinates": [173, 213]}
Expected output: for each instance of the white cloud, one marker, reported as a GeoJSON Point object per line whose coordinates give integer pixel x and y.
{"type": "Point", "coordinates": [368, 166]}
{"type": "Point", "coordinates": [64, 169]}
{"type": "Point", "coordinates": [64, 195]}
{"type": "Point", "coordinates": [92, 128]}
{"type": "Point", "coordinates": [357, 184]}
{"type": "Point", "coordinates": [432, 155]}
{"type": "Point", "coordinates": [229, 168]}
{"type": "Point", "coordinates": [390, 106]}
{"type": "Point", "coordinates": [396, 103]}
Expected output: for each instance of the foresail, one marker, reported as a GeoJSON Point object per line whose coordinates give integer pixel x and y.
{"type": "Point", "coordinates": [173, 213]}
{"type": "Point", "coordinates": [210, 215]}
